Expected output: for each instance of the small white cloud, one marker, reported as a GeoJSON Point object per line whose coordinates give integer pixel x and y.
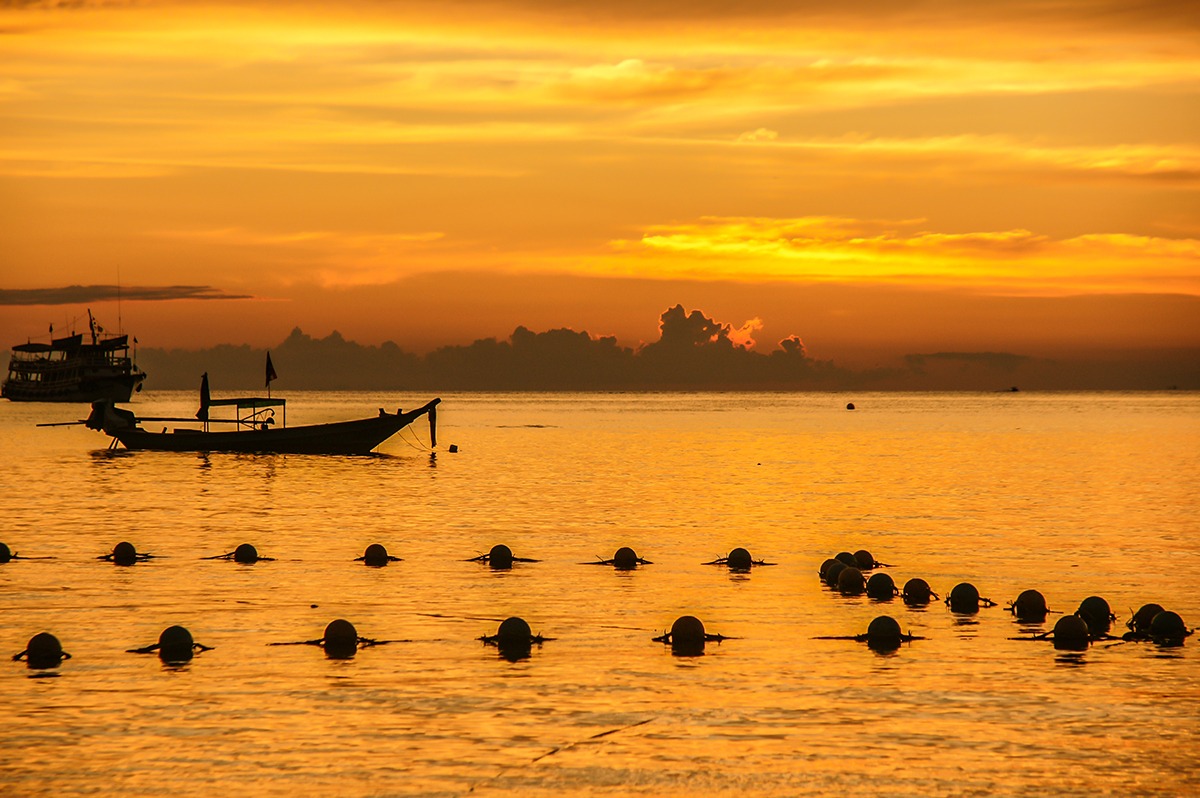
{"type": "Point", "coordinates": [755, 136]}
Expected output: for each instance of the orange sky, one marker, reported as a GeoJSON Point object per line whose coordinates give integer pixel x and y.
{"type": "Point", "coordinates": [1021, 177]}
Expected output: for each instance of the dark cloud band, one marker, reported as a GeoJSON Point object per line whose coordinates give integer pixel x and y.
{"type": "Point", "coordinates": [77, 294]}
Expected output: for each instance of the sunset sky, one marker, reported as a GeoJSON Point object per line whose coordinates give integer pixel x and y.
{"type": "Point", "coordinates": [878, 178]}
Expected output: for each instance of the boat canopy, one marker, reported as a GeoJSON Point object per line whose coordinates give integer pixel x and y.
{"type": "Point", "coordinates": [34, 348]}
{"type": "Point", "coordinates": [248, 403]}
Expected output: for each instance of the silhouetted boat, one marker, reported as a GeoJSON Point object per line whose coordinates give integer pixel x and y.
{"type": "Point", "coordinates": [255, 430]}
{"type": "Point", "coordinates": [254, 427]}
{"type": "Point", "coordinates": [68, 370]}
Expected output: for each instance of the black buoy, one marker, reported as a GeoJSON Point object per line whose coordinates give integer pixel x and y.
{"type": "Point", "coordinates": [864, 560]}
{"type": "Point", "coordinates": [245, 554]}
{"type": "Point", "coordinates": [375, 555]}
{"type": "Point", "coordinates": [687, 636]}
{"type": "Point", "coordinates": [1071, 633]}
{"type": "Point", "coordinates": [851, 582]}
{"type": "Point", "coordinates": [514, 638]}
{"type": "Point", "coordinates": [514, 630]}
{"type": "Point", "coordinates": [917, 592]}
{"type": "Point", "coordinates": [1139, 623]}
{"type": "Point", "coordinates": [625, 559]}
{"type": "Point", "coordinates": [5, 553]}
{"type": "Point", "coordinates": [500, 558]}
{"type": "Point", "coordinates": [883, 634]}
{"type": "Point", "coordinates": [847, 558]}
{"type": "Point", "coordinates": [43, 651]}
{"type": "Point", "coordinates": [850, 405]}
{"type": "Point", "coordinates": [340, 639]}
{"type": "Point", "coordinates": [1168, 629]}
{"type": "Point", "coordinates": [833, 572]}
{"type": "Point", "coordinates": [1030, 606]}
{"type": "Point", "coordinates": [1098, 615]}
{"type": "Point", "coordinates": [825, 568]}
{"type": "Point", "coordinates": [964, 598]}
{"type": "Point", "coordinates": [175, 644]}
{"type": "Point", "coordinates": [124, 554]}
{"type": "Point", "coordinates": [739, 560]}
{"type": "Point", "coordinates": [881, 587]}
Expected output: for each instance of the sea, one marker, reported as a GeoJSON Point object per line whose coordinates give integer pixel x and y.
{"type": "Point", "coordinates": [1072, 494]}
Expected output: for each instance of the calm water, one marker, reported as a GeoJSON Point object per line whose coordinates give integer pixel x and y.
{"type": "Point", "coordinates": [1073, 494]}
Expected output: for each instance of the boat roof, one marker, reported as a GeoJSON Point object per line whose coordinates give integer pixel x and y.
{"type": "Point", "coordinates": [248, 402]}
{"type": "Point", "coordinates": [73, 343]}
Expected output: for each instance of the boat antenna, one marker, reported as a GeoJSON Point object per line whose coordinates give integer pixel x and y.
{"type": "Point", "coordinates": [120, 326]}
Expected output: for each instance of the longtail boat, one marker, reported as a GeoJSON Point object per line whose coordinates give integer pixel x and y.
{"type": "Point", "coordinates": [257, 424]}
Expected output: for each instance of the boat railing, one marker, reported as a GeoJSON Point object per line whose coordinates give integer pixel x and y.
{"type": "Point", "coordinates": [251, 412]}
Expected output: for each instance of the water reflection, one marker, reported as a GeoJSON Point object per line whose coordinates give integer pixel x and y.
{"type": "Point", "coordinates": [1071, 659]}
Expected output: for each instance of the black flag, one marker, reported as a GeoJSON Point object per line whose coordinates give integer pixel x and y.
{"type": "Point", "coordinates": [271, 375]}
{"type": "Point", "coordinates": [205, 398]}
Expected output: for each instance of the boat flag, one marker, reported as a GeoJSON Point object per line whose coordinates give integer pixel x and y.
{"type": "Point", "coordinates": [271, 375]}
{"type": "Point", "coordinates": [205, 399]}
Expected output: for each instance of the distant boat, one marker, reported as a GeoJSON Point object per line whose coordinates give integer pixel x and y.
{"type": "Point", "coordinates": [254, 428]}
{"type": "Point", "coordinates": [69, 370]}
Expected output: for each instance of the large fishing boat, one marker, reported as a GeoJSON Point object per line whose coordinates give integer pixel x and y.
{"type": "Point", "coordinates": [253, 425]}
{"type": "Point", "coordinates": [69, 370]}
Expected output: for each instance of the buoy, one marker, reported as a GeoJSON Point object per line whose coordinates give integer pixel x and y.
{"type": "Point", "coordinates": [739, 560]}
{"type": "Point", "coordinates": [43, 651]}
{"type": "Point", "coordinates": [1030, 606]}
{"type": "Point", "coordinates": [850, 405]}
{"type": "Point", "coordinates": [124, 553]}
{"type": "Point", "coordinates": [5, 553]}
{"type": "Point", "coordinates": [1168, 629]}
{"type": "Point", "coordinates": [864, 560]}
{"type": "Point", "coordinates": [375, 555]}
{"type": "Point", "coordinates": [500, 558]}
{"type": "Point", "coordinates": [884, 633]}
{"type": "Point", "coordinates": [453, 448]}
{"type": "Point", "coordinates": [964, 598]}
{"type": "Point", "coordinates": [1071, 633]}
{"type": "Point", "coordinates": [514, 630]}
{"type": "Point", "coordinates": [825, 568]}
{"type": "Point", "coordinates": [245, 554]}
{"type": "Point", "coordinates": [625, 559]}
{"type": "Point", "coordinates": [688, 636]}
{"type": "Point", "coordinates": [340, 639]}
{"type": "Point", "coordinates": [1098, 615]}
{"type": "Point", "coordinates": [851, 582]}
{"type": "Point", "coordinates": [833, 571]}
{"type": "Point", "coordinates": [687, 629]}
{"type": "Point", "coordinates": [917, 591]}
{"type": "Point", "coordinates": [847, 558]}
{"type": "Point", "coordinates": [881, 587]}
{"type": "Point", "coordinates": [1140, 622]}
{"type": "Point", "coordinates": [514, 639]}
{"type": "Point", "coordinates": [175, 644]}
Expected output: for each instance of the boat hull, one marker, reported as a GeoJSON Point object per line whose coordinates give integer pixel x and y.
{"type": "Point", "coordinates": [114, 389]}
{"type": "Point", "coordinates": [344, 437]}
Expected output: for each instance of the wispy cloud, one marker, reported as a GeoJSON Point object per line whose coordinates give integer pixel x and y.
{"type": "Point", "coordinates": [80, 294]}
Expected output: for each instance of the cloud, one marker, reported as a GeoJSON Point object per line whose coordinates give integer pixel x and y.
{"type": "Point", "coordinates": [80, 294]}
{"type": "Point", "coordinates": [755, 136]}
{"type": "Point", "coordinates": [744, 336]}
{"type": "Point", "coordinates": [828, 248]}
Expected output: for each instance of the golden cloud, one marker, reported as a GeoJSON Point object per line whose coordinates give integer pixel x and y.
{"type": "Point", "coordinates": [843, 249]}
